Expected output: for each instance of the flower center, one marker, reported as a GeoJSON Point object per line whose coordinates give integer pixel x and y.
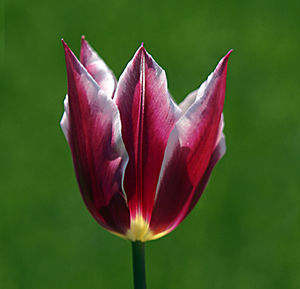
{"type": "Point", "coordinates": [139, 230]}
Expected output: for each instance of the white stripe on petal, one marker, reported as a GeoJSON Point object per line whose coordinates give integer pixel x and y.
{"type": "Point", "coordinates": [64, 123]}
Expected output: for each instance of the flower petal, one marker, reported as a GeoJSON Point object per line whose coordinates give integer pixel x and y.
{"type": "Point", "coordinates": [148, 115]}
{"type": "Point", "coordinates": [64, 123]}
{"type": "Point", "coordinates": [97, 68]}
{"type": "Point", "coordinates": [92, 125]}
{"type": "Point", "coordinates": [188, 101]}
{"type": "Point", "coordinates": [190, 153]}
{"type": "Point", "coordinates": [216, 156]}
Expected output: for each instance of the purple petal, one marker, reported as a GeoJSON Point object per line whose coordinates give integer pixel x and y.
{"type": "Point", "coordinates": [192, 150]}
{"type": "Point", "coordinates": [97, 68]}
{"type": "Point", "coordinates": [92, 126]}
{"type": "Point", "coordinates": [216, 156]}
{"type": "Point", "coordinates": [148, 115]}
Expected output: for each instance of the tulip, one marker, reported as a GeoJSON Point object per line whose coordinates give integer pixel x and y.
{"type": "Point", "coordinates": [141, 161]}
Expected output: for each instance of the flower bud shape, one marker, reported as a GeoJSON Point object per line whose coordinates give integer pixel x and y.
{"type": "Point", "coordinates": [141, 161]}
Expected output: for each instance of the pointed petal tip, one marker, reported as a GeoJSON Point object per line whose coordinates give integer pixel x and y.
{"type": "Point", "coordinates": [226, 57]}
{"type": "Point", "coordinates": [71, 60]}
{"type": "Point", "coordinates": [84, 41]}
{"type": "Point", "coordinates": [139, 53]}
{"type": "Point", "coordinates": [222, 65]}
{"type": "Point", "coordinates": [141, 49]}
{"type": "Point", "coordinates": [66, 47]}
{"type": "Point", "coordinates": [86, 50]}
{"type": "Point", "coordinates": [229, 52]}
{"type": "Point", "coordinates": [68, 52]}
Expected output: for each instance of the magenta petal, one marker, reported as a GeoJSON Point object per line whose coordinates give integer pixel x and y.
{"type": "Point", "coordinates": [192, 150]}
{"type": "Point", "coordinates": [148, 115]}
{"type": "Point", "coordinates": [92, 125]}
{"type": "Point", "coordinates": [97, 68]}
{"type": "Point", "coordinates": [216, 156]}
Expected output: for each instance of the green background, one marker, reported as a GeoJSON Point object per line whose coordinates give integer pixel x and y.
{"type": "Point", "coordinates": [243, 234]}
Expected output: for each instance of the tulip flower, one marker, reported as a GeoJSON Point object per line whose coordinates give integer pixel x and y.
{"type": "Point", "coordinates": [141, 161]}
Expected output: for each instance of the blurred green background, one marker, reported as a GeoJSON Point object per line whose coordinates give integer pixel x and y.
{"type": "Point", "coordinates": [243, 234]}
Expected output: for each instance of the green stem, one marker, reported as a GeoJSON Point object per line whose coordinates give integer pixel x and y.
{"type": "Point", "coordinates": [138, 257]}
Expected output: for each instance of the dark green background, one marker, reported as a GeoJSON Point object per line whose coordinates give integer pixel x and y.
{"type": "Point", "coordinates": [243, 234]}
